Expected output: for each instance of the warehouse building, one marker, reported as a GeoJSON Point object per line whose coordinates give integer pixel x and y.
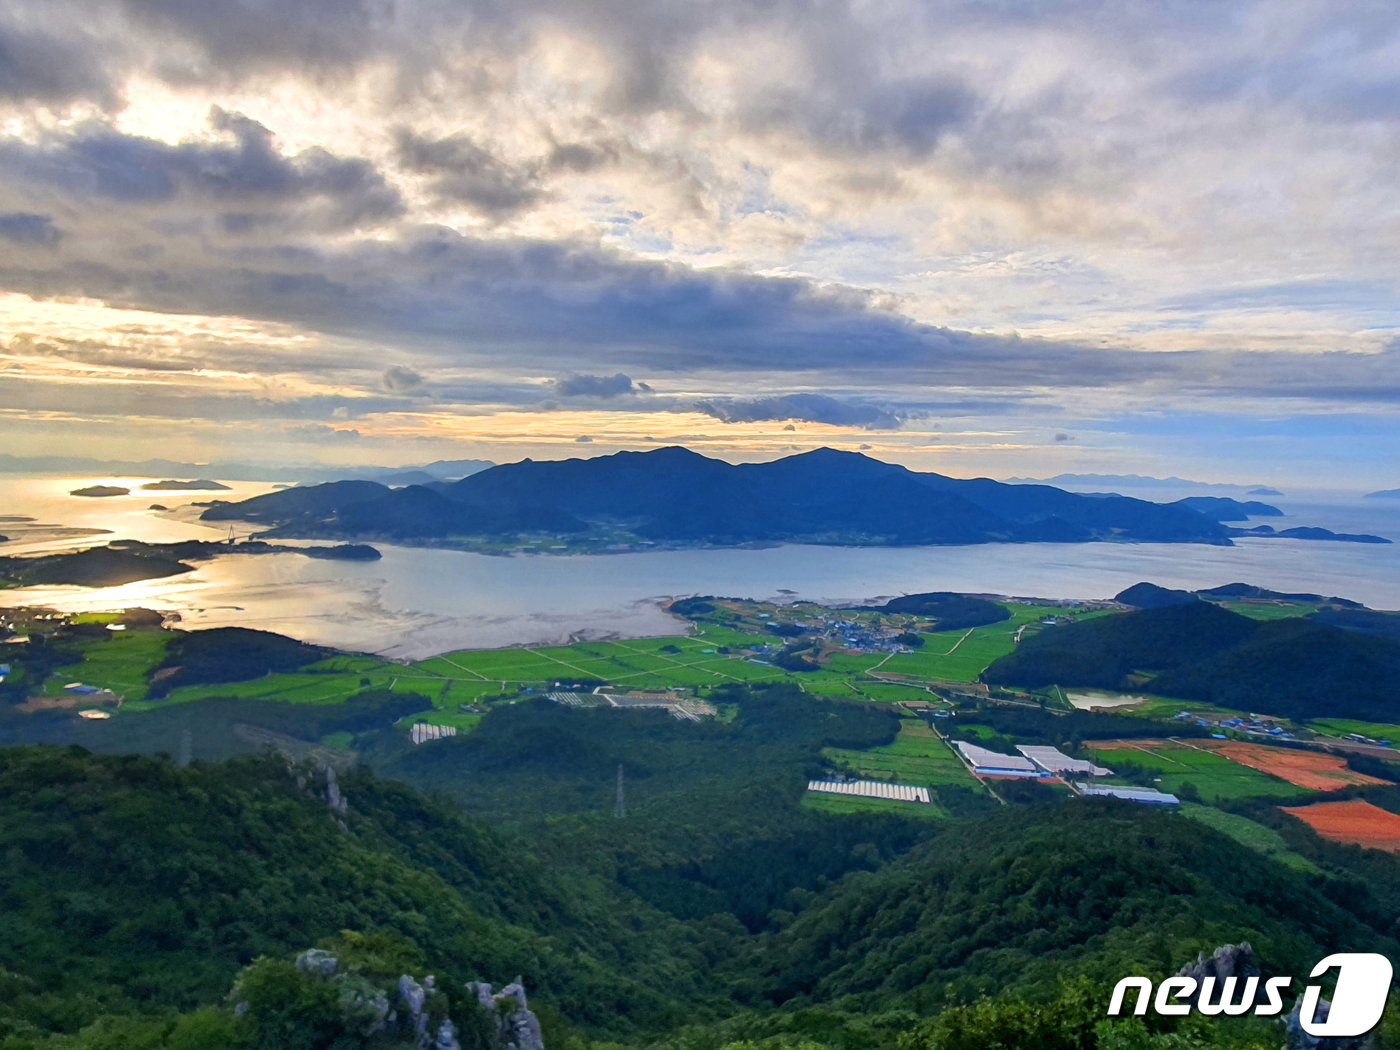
{"type": "Point", "coordinates": [986, 763]}
{"type": "Point", "coordinates": [1057, 763]}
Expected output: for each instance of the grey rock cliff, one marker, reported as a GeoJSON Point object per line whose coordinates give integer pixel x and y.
{"type": "Point", "coordinates": [517, 1027]}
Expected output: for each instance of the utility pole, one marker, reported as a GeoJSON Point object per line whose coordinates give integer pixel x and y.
{"type": "Point", "coordinates": [620, 810]}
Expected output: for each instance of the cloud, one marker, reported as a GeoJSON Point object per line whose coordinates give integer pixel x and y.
{"type": "Point", "coordinates": [49, 69]}
{"type": "Point", "coordinates": [813, 408]}
{"type": "Point", "coordinates": [322, 433]}
{"type": "Point", "coordinates": [1064, 437]}
{"type": "Point", "coordinates": [461, 170]}
{"type": "Point", "coordinates": [29, 228]}
{"type": "Point", "coordinates": [597, 386]}
{"type": "Point", "coordinates": [400, 379]}
{"type": "Point", "coordinates": [242, 177]}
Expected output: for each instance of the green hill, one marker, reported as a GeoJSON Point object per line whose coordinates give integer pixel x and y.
{"type": "Point", "coordinates": [1036, 894]}
{"type": "Point", "coordinates": [128, 886]}
{"type": "Point", "coordinates": [1290, 667]}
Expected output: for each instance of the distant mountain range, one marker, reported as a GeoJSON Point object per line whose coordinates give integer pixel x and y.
{"type": "Point", "coordinates": [232, 470]}
{"type": "Point", "coordinates": [1384, 494]}
{"type": "Point", "coordinates": [1139, 481]}
{"type": "Point", "coordinates": [673, 496]}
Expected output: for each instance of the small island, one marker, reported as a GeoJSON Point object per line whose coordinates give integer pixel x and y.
{"type": "Point", "coordinates": [201, 484]}
{"type": "Point", "coordinates": [130, 561]}
{"type": "Point", "coordinates": [101, 490]}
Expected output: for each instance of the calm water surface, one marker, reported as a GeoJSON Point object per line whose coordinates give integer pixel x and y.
{"type": "Point", "coordinates": [416, 602]}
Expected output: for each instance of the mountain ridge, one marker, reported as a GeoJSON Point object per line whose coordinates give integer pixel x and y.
{"type": "Point", "coordinates": [674, 495]}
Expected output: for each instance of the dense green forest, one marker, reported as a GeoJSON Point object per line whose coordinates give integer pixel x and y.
{"type": "Point", "coordinates": [1291, 667]}
{"type": "Point", "coordinates": [136, 892]}
{"type": "Point", "coordinates": [142, 901]}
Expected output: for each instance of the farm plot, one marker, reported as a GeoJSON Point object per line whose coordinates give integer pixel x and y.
{"type": "Point", "coordinates": [828, 803]}
{"type": "Point", "coordinates": [1251, 834]}
{"type": "Point", "coordinates": [961, 656]}
{"type": "Point", "coordinates": [121, 662]}
{"type": "Point", "coordinates": [1213, 775]}
{"type": "Point", "coordinates": [1343, 727]}
{"type": "Point", "coordinates": [1308, 769]}
{"type": "Point", "coordinates": [1356, 822]}
{"type": "Point", "coordinates": [916, 756]}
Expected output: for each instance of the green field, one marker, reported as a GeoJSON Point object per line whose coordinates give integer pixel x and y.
{"type": "Point", "coordinates": [1214, 776]}
{"type": "Point", "coordinates": [1251, 834]}
{"type": "Point", "coordinates": [1342, 726]}
{"type": "Point", "coordinates": [916, 756]}
{"type": "Point", "coordinates": [960, 656]}
{"type": "Point", "coordinates": [1271, 612]}
{"type": "Point", "coordinates": [829, 803]}
{"type": "Point", "coordinates": [122, 662]}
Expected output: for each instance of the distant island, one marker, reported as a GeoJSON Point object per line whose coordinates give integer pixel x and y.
{"type": "Point", "coordinates": [181, 486]}
{"type": "Point", "coordinates": [1306, 532]}
{"type": "Point", "coordinates": [1384, 494]}
{"type": "Point", "coordinates": [101, 490]}
{"type": "Point", "coordinates": [673, 497]}
{"type": "Point", "coordinates": [1264, 490]}
{"type": "Point", "coordinates": [130, 561]}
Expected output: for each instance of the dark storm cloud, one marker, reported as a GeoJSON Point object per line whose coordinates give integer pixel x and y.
{"type": "Point", "coordinates": [239, 36]}
{"type": "Point", "coordinates": [812, 408]}
{"type": "Point", "coordinates": [28, 228]}
{"type": "Point", "coordinates": [462, 170]}
{"type": "Point", "coordinates": [48, 68]}
{"type": "Point", "coordinates": [596, 386]}
{"type": "Point", "coordinates": [97, 162]}
{"type": "Point", "coordinates": [401, 380]}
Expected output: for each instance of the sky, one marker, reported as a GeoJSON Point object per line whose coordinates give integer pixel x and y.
{"type": "Point", "coordinates": [983, 238]}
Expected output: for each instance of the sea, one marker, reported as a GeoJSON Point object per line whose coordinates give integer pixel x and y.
{"type": "Point", "coordinates": [418, 602]}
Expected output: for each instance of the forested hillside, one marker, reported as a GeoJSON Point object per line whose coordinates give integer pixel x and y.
{"type": "Point", "coordinates": [1292, 667]}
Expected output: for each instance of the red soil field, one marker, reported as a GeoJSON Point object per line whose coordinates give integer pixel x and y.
{"type": "Point", "coordinates": [1357, 822]}
{"type": "Point", "coordinates": [1309, 769]}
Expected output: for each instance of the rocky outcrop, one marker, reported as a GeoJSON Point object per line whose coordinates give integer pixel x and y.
{"type": "Point", "coordinates": [517, 1027]}
{"type": "Point", "coordinates": [1229, 960]}
{"type": "Point", "coordinates": [412, 1011]}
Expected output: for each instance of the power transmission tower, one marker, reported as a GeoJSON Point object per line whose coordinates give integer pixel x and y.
{"type": "Point", "coordinates": [620, 810]}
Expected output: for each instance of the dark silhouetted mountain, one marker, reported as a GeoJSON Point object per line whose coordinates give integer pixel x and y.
{"type": "Point", "coordinates": [1248, 590]}
{"type": "Point", "coordinates": [1150, 596]}
{"type": "Point", "coordinates": [1368, 621]}
{"type": "Point", "coordinates": [200, 484]}
{"type": "Point", "coordinates": [673, 495]}
{"type": "Point", "coordinates": [949, 611]}
{"type": "Point", "coordinates": [1221, 508]}
{"type": "Point", "coordinates": [299, 502]}
{"type": "Point", "coordinates": [1307, 532]}
{"type": "Point", "coordinates": [1292, 667]}
{"type": "Point", "coordinates": [94, 567]}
